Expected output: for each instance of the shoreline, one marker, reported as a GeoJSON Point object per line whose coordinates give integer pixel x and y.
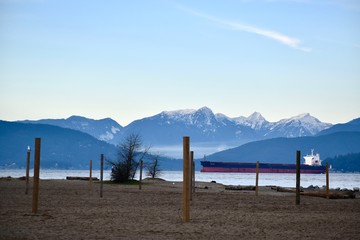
{"type": "Point", "coordinates": [337, 180]}
{"type": "Point", "coordinates": [355, 190]}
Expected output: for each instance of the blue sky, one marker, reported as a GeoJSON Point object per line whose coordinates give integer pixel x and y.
{"type": "Point", "coordinates": [133, 59]}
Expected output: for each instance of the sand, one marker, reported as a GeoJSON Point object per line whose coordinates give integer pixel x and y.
{"type": "Point", "coordinates": [71, 210]}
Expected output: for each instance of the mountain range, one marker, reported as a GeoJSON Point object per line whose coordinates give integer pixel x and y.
{"type": "Point", "coordinates": [209, 132]}
{"type": "Point", "coordinates": [72, 142]}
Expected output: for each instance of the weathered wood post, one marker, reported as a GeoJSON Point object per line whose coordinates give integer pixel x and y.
{"type": "Point", "coordinates": [257, 179]}
{"type": "Point", "coordinates": [298, 177]}
{"type": "Point", "coordinates": [327, 180]}
{"type": "Point", "coordinates": [193, 176]}
{"type": "Point", "coordinates": [186, 185]}
{"type": "Point", "coordinates": [35, 197]}
{"type": "Point", "coordinates": [27, 169]}
{"type": "Point", "coordinates": [140, 179]}
{"type": "Point", "coordinates": [90, 176]}
{"type": "Point", "coordinates": [190, 175]}
{"type": "Point", "coordinates": [101, 174]}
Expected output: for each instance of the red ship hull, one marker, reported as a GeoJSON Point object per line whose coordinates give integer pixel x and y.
{"type": "Point", "coordinates": [236, 167]}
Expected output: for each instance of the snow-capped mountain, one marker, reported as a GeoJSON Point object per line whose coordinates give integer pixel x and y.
{"type": "Point", "coordinates": [169, 127]}
{"type": "Point", "coordinates": [298, 126]}
{"type": "Point", "coordinates": [204, 126]}
{"type": "Point", "coordinates": [203, 118]}
{"type": "Point", "coordinates": [255, 121]}
{"type": "Point", "coordinates": [104, 129]}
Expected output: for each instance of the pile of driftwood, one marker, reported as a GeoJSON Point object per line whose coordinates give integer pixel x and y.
{"type": "Point", "coordinates": [333, 194]}
{"type": "Point", "coordinates": [82, 178]}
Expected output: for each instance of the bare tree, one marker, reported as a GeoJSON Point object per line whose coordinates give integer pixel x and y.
{"type": "Point", "coordinates": [130, 153]}
{"type": "Point", "coordinates": [153, 167]}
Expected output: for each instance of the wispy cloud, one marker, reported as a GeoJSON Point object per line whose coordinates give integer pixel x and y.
{"type": "Point", "coordinates": [279, 37]}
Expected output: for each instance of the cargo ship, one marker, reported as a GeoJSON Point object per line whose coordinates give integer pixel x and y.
{"type": "Point", "coordinates": [311, 165]}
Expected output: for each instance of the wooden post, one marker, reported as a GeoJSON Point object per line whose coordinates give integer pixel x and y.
{"type": "Point", "coordinates": [193, 176]}
{"type": "Point", "coordinates": [298, 177]}
{"type": "Point", "coordinates": [327, 180]}
{"type": "Point", "coordinates": [140, 179]}
{"type": "Point", "coordinates": [35, 197]}
{"type": "Point", "coordinates": [186, 197]}
{"type": "Point", "coordinates": [257, 179]}
{"type": "Point", "coordinates": [27, 169]}
{"type": "Point", "coordinates": [90, 176]}
{"type": "Point", "coordinates": [101, 174]}
{"type": "Point", "coordinates": [191, 171]}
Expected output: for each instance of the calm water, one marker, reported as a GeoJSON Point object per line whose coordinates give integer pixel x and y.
{"type": "Point", "coordinates": [337, 180]}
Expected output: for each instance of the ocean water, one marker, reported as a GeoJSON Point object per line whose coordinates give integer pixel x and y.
{"type": "Point", "coordinates": [336, 180]}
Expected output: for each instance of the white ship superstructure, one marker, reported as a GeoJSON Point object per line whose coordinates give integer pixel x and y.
{"type": "Point", "coordinates": [312, 160]}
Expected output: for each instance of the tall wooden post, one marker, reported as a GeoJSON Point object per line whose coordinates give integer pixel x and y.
{"type": "Point", "coordinates": [27, 169]}
{"type": "Point", "coordinates": [257, 179]}
{"type": "Point", "coordinates": [90, 175]}
{"type": "Point", "coordinates": [140, 179]}
{"type": "Point", "coordinates": [35, 197]}
{"type": "Point", "coordinates": [101, 174]}
{"type": "Point", "coordinates": [191, 173]}
{"type": "Point", "coordinates": [186, 197]}
{"type": "Point", "coordinates": [327, 180]}
{"type": "Point", "coordinates": [297, 177]}
{"type": "Point", "coordinates": [193, 176]}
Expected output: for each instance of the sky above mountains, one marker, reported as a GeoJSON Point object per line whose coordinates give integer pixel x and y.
{"type": "Point", "coordinates": [132, 59]}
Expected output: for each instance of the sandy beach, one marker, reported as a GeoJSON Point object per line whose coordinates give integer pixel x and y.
{"type": "Point", "coordinates": [73, 210]}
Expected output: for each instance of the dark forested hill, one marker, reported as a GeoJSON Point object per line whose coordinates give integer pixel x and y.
{"type": "Point", "coordinates": [352, 126]}
{"type": "Point", "coordinates": [345, 163]}
{"type": "Point", "coordinates": [60, 147]}
{"type": "Point", "coordinates": [283, 150]}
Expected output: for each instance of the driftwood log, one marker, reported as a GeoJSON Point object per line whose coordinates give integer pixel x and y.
{"type": "Point", "coordinates": [240, 188]}
{"type": "Point", "coordinates": [82, 178]}
{"type": "Point", "coordinates": [283, 189]}
{"type": "Point", "coordinates": [332, 194]}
